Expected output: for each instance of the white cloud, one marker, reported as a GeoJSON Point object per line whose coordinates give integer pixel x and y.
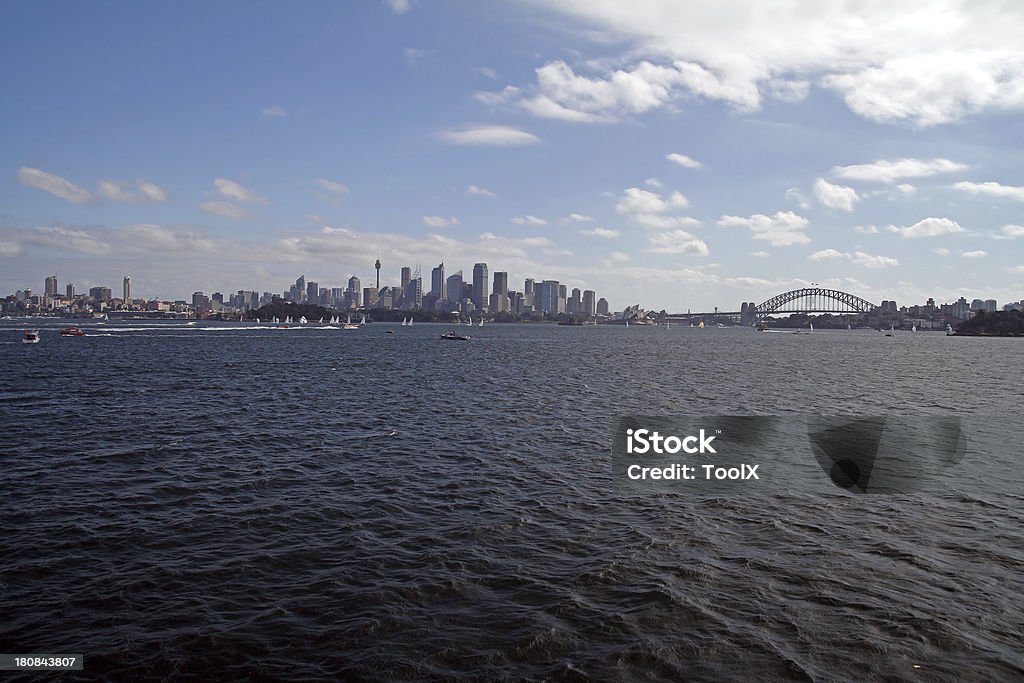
{"type": "Point", "coordinates": [274, 112]}
{"type": "Point", "coordinates": [529, 220]}
{"type": "Point", "coordinates": [866, 229]}
{"type": "Point", "coordinates": [500, 136]}
{"type": "Point", "coordinates": [579, 218]}
{"type": "Point", "coordinates": [145, 191]}
{"type": "Point", "coordinates": [941, 251]}
{"type": "Point", "coordinates": [55, 185]}
{"type": "Point", "coordinates": [924, 62]}
{"type": "Point", "coordinates": [858, 258]}
{"type": "Point", "coordinates": [399, 6]}
{"type": "Point", "coordinates": [889, 171]}
{"type": "Point", "coordinates": [71, 239]}
{"type": "Point", "coordinates": [606, 233]}
{"type": "Point", "coordinates": [485, 71]}
{"type": "Point", "coordinates": [906, 188]}
{"type": "Point", "coordinates": [760, 254]}
{"type": "Point", "coordinates": [440, 221]}
{"type": "Point", "coordinates": [637, 201]}
{"type": "Point", "coordinates": [827, 255]}
{"type": "Point", "coordinates": [677, 242]}
{"type": "Point", "coordinates": [929, 227]}
{"type": "Point", "coordinates": [477, 191]}
{"type": "Point", "coordinates": [654, 182]}
{"type": "Point", "coordinates": [229, 189]}
{"type": "Point", "coordinates": [225, 209]}
{"type": "Point", "coordinates": [991, 189]}
{"type": "Point", "coordinates": [1013, 231]}
{"type": "Point", "coordinates": [835, 196]}
{"type": "Point", "coordinates": [9, 248]}
{"type": "Point", "coordinates": [332, 187]}
{"type": "Point", "coordinates": [978, 253]}
{"type": "Point", "coordinates": [414, 56]}
{"type": "Point", "coordinates": [1017, 269]}
{"type": "Point", "coordinates": [683, 160]}
{"type": "Point", "coordinates": [147, 237]}
{"type": "Point", "coordinates": [793, 194]}
{"type": "Point", "coordinates": [783, 229]}
{"type": "Point", "coordinates": [618, 257]}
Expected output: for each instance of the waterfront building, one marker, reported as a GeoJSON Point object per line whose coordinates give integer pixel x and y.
{"type": "Point", "coordinates": [51, 286]}
{"type": "Point", "coordinates": [589, 307]}
{"type": "Point", "coordinates": [70, 291]}
{"type": "Point", "coordinates": [127, 291]}
{"type": "Point", "coordinates": [454, 286]}
{"type": "Point", "coordinates": [438, 285]}
{"type": "Point", "coordinates": [602, 306]}
{"type": "Point", "coordinates": [480, 285]}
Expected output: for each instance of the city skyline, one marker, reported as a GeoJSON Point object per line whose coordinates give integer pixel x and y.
{"type": "Point", "coordinates": [672, 155]}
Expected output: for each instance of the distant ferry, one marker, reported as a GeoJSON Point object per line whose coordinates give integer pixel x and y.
{"type": "Point", "coordinates": [72, 332]}
{"type": "Point", "coordinates": [31, 337]}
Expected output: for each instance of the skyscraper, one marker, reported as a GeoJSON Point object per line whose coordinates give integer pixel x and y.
{"type": "Point", "coordinates": [300, 289]}
{"type": "Point", "coordinates": [51, 286]}
{"type": "Point", "coordinates": [500, 283]}
{"type": "Point", "coordinates": [438, 285]}
{"type": "Point", "coordinates": [313, 292]}
{"type": "Point", "coordinates": [454, 285]}
{"type": "Point", "coordinates": [71, 291]}
{"type": "Point", "coordinates": [589, 303]}
{"type": "Point", "coordinates": [377, 266]}
{"type": "Point", "coordinates": [127, 298]}
{"type": "Point", "coordinates": [352, 294]}
{"type": "Point", "coordinates": [545, 296]}
{"type": "Point", "coordinates": [406, 276]}
{"type": "Point", "coordinates": [480, 285]}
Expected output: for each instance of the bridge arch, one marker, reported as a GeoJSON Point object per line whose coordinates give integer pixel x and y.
{"type": "Point", "coordinates": [814, 300]}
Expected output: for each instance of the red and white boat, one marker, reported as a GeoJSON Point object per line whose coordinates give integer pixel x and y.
{"type": "Point", "coordinates": [72, 332]}
{"type": "Point", "coordinates": [31, 337]}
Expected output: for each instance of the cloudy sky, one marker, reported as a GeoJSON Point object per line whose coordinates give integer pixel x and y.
{"type": "Point", "coordinates": [676, 155]}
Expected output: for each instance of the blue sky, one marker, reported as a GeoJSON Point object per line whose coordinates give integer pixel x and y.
{"type": "Point", "coordinates": [665, 154]}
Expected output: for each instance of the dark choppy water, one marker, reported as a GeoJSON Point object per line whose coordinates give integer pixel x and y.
{"type": "Point", "coordinates": [226, 503]}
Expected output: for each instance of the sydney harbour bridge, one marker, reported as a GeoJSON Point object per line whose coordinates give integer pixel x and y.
{"type": "Point", "coordinates": [806, 300]}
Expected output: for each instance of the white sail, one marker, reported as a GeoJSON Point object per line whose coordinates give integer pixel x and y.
{"type": "Point", "coordinates": [321, 320]}
{"type": "Point", "coordinates": [812, 326]}
{"type": "Point", "coordinates": [257, 321]}
{"type": "Point", "coordinates": [949, 329]}
{"type": "Point", "coordinates": [481, 322]}
{"type": "Point", "coordinates": [348, 319]}
{"type": "Point", "coordinates": [302, 320]}
{"type": "Point", "coordinates": [848, 328]}
{"type": "Point", "coordinates": [363, 321]}
{"type": "Point", "coordinates": [913, 328]}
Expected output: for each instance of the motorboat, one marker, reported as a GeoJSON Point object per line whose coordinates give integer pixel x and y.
{"type": "Point", "coordinates": [455, 335]}
{"type": "Point", "coordinates": [31, 337]}
{"type": "Point", "coordinates": [72, 332]}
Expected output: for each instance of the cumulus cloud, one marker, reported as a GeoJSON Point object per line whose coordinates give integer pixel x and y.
{"type": "Point", "coordinates": [941, 251]}
{"type": "Point", "coordinates": [866, 229]}
{"type": "Point", "coordinates": [977, 253]}
{"type": "Point", "coordinates": [148, 237]}
{"type": "Point", "coordinates": [794, 195]}
{"type": "Point", "coordinates": [529, 219]}
{"type": "Point", "coordinates": [637, 201]}
{"type": "Point", "coordinates": [683, 160]}
{"type": "Point", "coordinates": [606, 233]}
{"type": "Point", "coordinates": [144, 191]}
{"type": "Point", "coordinates": [929, 227]}
{"type": "Point", "coordinates": [579, 218]}
{"type": "Point", "coordinates": [677, 242]}
{"type": "Point", "coordinates": [499, 136]}
{"type": "Point", "coordinates": [70, 239]}
{"type": "Point", "coordinates": [992, 189]}
{"type": "Point", "coordinates": [760, 254]}
{"type": "Point", "coordinates": [229, 189]}
{"type": "Point", "coordinates": [225, 209]}
{"type": "Point", "coordinates": [925, 62]}
{"type": "Point", "coordinates": [857, 257]}
{"type": "Point", "coordinates": [1012, 231]}
{"type": "Point", "coordinates": [440, 221]}
{"type": "Point", "coordinates": [654, 182]}
{"type": "Point", "coordinates": [477, 191]}
{"type": "Point", "coordinates": [55, 185]}
{"type": "Point", "coordinates": [835, 196]}
{"type": "Point", "coordinates": [783, 229]}
{"type": "Point", "coordinates": [891, 170]}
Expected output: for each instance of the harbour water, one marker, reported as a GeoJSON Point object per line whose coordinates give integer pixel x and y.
{"type": "Point", "coordinates": [225, 501]}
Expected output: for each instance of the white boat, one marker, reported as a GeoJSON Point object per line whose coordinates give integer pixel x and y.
{"type": "Point", "coordinates": [363, 321]}
{"type": "Point", "coordinates": [31, 337]}
{"type": "Point", "coordinates": [949, 330]}
{"type": "Point", "coordinates": [627, 321]}
{"type": "Point", "coordinates": [848, 328]}
{"type": "Point", "coordinates": [303, 321]}
{"type": "Point", "coordinates": [812, 326]}
{"type": "Point", "coordinates": [700, 325]}
{"type": "Point", "coordinates": [913, 328]}
{"type": "Point", "coordinates": [257, 321]}
{"type": "Point", "coordinates": [405, 321]}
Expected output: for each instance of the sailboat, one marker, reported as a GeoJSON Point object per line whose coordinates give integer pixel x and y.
{"type": "Point", "coordinates": [481, 324]}
{"type": "Point", "coordinates": [321, 320]}
{"type": "Point", "coordinates": [667, 324]}
{"type": "Point", "coordinates": [812, 327]}
{"type": "Point", "coordinates": [892, 330]}
{"type": "Point", "coordinates": [913, 328]}
{"type": "Point", "coordinates": [700, 325]}
{"type": "Point", "coordinates": [848, 328]}
{"type": "Point", "coordinates": [349, 325]}
{"type": "Point", "coordinates": [949, 330]}
{"type": "Point", "coordinates": [363, 321]}
{"type": "Point", "coordinates": [627, 321]}
{"type": "Point", "coordinates": [257, 321]}
{"type": "Point", "coordinates": [303, 321]}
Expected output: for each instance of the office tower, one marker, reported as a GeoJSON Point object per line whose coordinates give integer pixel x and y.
{"type": "Point", "coordinates": [313, 292]}
{"type": "Point", "coordinates": [353, 292]}
{"type": "Point", "coordinates": [337, 296]}
{"type": "Point", "coordinates": [200, 302]}
{"type": "Point", "coordinates": [412, 296]}
{"type": "Point", "coordinates": [563, 292]}
{"type": "Point", "coordinates": [589, 303]}
{"type": "Point", "coordinates": [71, 291]}
{"type": "Point", "coordinates": [51, 286]}
{"type": "Point", "coordinates": [480, 285]}
{"type": "Point", "coordinates": [438, 285]}
{"type": "Point", "coordinates": [575, 303]}
{"type": "Point", "coordinates": [454, 285]}
{"type": "Point", "coordinates": [406, 276]}
{"type": "Point", "coordinates": [218, 297]}
{"type": "Point", "coordinates": [127, 293]}
{"type": "Point", "coordinates": [602, 306]}
{"type": "Point", "coordinates": [370, 297]}
{"type": "Point", "coordinates": [528, 287]}
{"type": "Point", "coordinates": [990, 305]}
{"type": "Point", "coordinates": [545, 296]}
{"type": "Point", "coordinates": [377, 267]}
{"type": "Point", "coordinates": [300, 290]}
{"type": "Point", "coordinates": [500, 283]}
{"type": "Point", "coordinates": [100, 293]}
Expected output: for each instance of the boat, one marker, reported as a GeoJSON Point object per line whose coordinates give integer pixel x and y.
{"type": "Point", "coordinates": [762, 327]}
{"type": "Point", "coordinates": [913, 328]}
{"type": "Point", "coordinates": [451, 334]}
{"type": "Point", "coordinates": [700, 325]}
{"type": "Point", "coordinates": [72, 332]}
{"type": "Point", "coordinates": [31, 337]}
{"type": "Point", "coordinates": [481, 323]}
{"type": "Point", "coordinates": [892, 330]}
{"type": "Point", "coordinates": [812, 327]}
{"type": "Point", "coordinates": [363, 321]}
{"type": "Point", "coordinates": [849, 328]}
{"type": "Point", "coordinates": [949, 330]}
{"type": "Point", "coordinates": [389, 332]}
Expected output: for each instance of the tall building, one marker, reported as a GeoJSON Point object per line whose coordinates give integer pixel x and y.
{"type": "Point", "coordinates": [370, 297]}
{"type": "Point", "coordinates": [480, 285]}
{"type": "Point", "coordinates": [545, 296]}
{"type": "Point", "coordinates": [412, 296]}
{"type": "Point", "coordinates": [71, 291]}
{"type": "Point", "coordinates": [602, 306]}
{"type": "Point", "coordinates": [100, 293]}
{"type": "Point", "coordinates": [406, 276]}
{"type": "Point", "coordinates": [500, 283]}
{"type": "Point", "coordinates": [353, 292]}
{"type": "Point", "coordinates": [589, 308]}
{"type": "Point", "coordinates": [454, 285]}
{"type": "Point", "coordinates": [313, 292]}
{"type": "Point", "coordinates": [127, 294]}
{"type": "Point", "coordinates": [377, 267]}
{"type": "Point", "coordinates": [438, 285]}
{"type": "Point", "coordinates": [200, 302]}
{"type": "Point", "coordinates": [51, 286]}
{"type": "Point", "coordinates": [300, 290]}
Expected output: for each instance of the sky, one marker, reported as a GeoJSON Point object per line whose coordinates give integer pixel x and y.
{"type": "Point", "coordinates": [677, 155]}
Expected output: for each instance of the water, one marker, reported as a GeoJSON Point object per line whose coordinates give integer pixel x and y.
{"type": "Point", "coordinates": [222, 502]}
